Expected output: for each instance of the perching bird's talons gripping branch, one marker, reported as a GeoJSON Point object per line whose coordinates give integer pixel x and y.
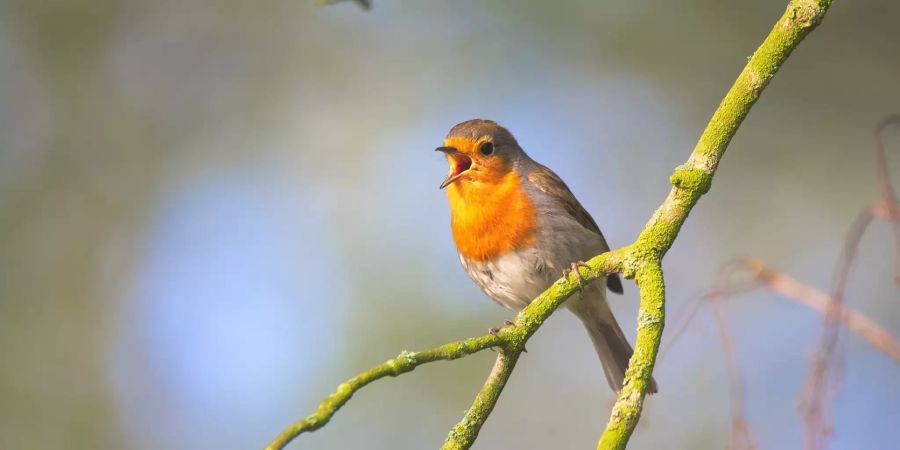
{"type": "Point", "coordinates": [641, 260]}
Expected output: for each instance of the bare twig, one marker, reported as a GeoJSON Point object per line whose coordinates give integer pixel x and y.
{"type": "Point", "coordinates": [873, 333]}
{"type": "Point", "coordinates": [887, 207]}
{"type": "Point", "coordinates": [723, 286]}
{"type": "Point", "coordinates": [741, 436]}
{"type": "Point", "coordinates": [813, 401]}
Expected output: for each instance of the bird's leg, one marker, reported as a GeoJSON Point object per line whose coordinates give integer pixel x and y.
{"type": "Point", "coordinates": [506, 323]}
{"type": "Point", "coordinates": [573, 268]}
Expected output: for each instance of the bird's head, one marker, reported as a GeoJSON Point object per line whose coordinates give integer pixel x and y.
{"type": "Point", "coordinates": [480, 152]}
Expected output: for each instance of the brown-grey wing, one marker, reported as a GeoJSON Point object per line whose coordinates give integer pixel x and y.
{"type": "Point", "coordinates": [550, 183]}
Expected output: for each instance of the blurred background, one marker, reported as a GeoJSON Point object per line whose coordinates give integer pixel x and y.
{"type": "Point", "coordinates": [211, 213]}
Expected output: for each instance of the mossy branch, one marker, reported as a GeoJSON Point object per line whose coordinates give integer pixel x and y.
{"type": "Point", "coordinates": [405, 362]}
{"type": "Point", "coordinates": [510, 341]}
{"type": "Point", "coordinates": [463, 434]}
{"type": "Point", "coordinates": [689, 182]}
{"type": "Point", "coordinates": [642, 260]}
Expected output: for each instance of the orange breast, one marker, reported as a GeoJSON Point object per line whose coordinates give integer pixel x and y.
{"type": "Point", "coordinates": [489, 219]}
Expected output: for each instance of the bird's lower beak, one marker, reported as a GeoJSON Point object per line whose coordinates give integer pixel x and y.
{"type": "Point", "coordinates": [459, 164]}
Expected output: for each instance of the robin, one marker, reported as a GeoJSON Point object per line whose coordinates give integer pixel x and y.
{"type": "Point", "coordinates": [518, 227]}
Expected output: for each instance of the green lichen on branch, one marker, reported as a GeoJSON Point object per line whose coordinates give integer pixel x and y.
{"type": "Point", "coordinates": [689, 182]}
{"type": "Point", "coordinates": [405, 362]}
{"type": "Point", "coordinates": [642, 260]}
{"type": "Point", "coordinates": [651, 318]}
{"type": "Point", "coordinates": [801, 17]}
{"type": "Point", "coordinates": [464, 433]}
{"type": "Point", "coordinates": [510, 341]}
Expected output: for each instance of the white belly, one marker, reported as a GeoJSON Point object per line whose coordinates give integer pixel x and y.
{"type": "Point", "coordinates": [514, 279]}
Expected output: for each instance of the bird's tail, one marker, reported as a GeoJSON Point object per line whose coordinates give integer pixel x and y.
{"type": "Point", "coordinates": [609, 341]}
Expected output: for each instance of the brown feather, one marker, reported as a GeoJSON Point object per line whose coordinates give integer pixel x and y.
{"type": "Point", "coordinates": [551, 184]}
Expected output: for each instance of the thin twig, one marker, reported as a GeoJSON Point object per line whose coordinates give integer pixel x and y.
{"type": "Point", "coordinates": [405, 362]}
{"type": "Point", "coordinates": [741, 436]}
{"type": "Point", "coordinates": [689, 310]}
{"type": "Point", "coordinates": [873, 333]}
{"type": "Point", "coordinates": [813, 402]}
{"type": "Point", "coordinates": [831, 308]}
{"type": "Point", "coordinates": [887, 208]}
{"type": "Point", "coordinates": [724, 286]}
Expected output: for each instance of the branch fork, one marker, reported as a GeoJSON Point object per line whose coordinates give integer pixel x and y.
{"type": "Point", "coordinates": [641, 260]}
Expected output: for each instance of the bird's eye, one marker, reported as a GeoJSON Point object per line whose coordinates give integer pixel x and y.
{"type": "Point", "coordinates": [486, 148]}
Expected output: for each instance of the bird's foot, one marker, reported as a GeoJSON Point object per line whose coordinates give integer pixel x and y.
{"type": "Point", "coordinates": [506, 323]}
{"type": "Point", "coordinates": [573, 268]}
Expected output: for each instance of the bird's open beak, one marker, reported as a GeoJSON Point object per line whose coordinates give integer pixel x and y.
{"type": "Point", "coordinates": [459, 164]}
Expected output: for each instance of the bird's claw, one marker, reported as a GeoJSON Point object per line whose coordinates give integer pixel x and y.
{"type": "Point", "coordinates": [506, 323]}
{"type": "Point", "coordinates": [573, 268]}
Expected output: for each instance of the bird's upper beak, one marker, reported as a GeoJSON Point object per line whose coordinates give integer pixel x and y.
{"type": "Point", "coordinates": [459, 164]}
